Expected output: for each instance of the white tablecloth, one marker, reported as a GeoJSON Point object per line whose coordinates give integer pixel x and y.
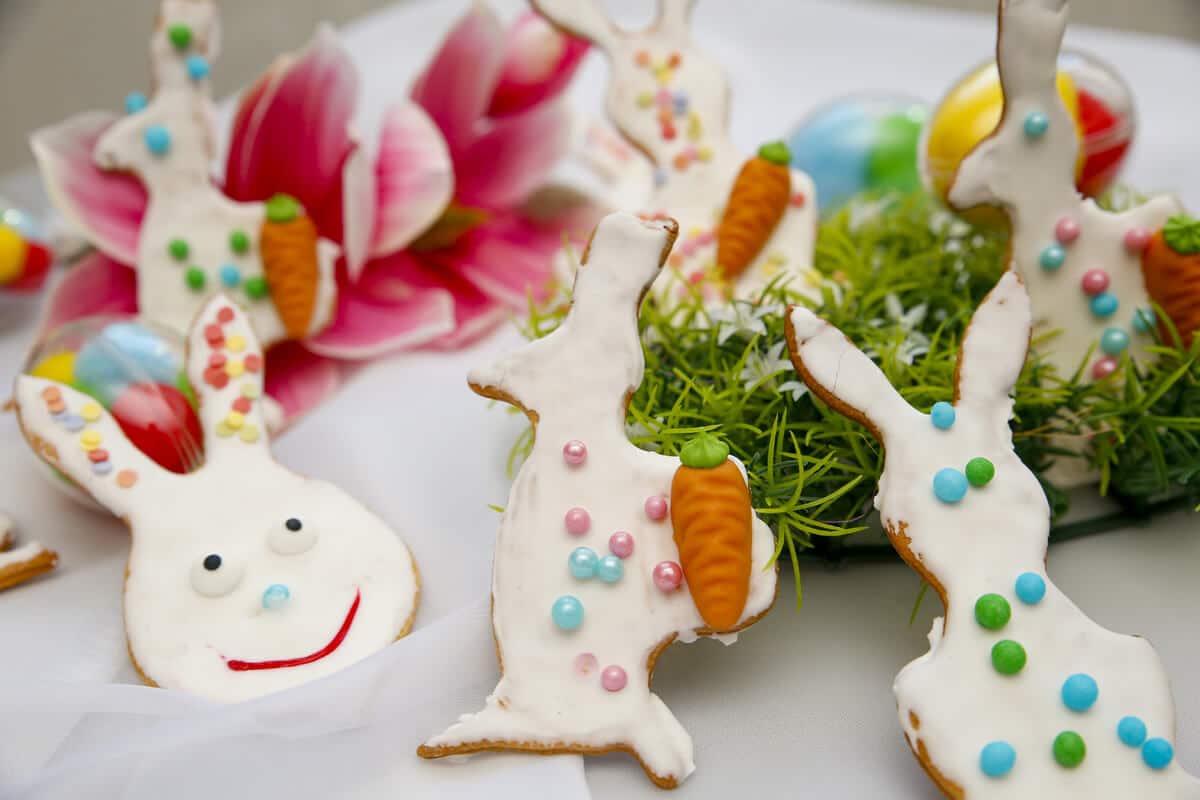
{"type": "Point", "coordinates": [801, 705]}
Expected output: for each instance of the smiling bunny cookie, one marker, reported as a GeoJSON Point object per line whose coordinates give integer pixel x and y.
{"type": "Point", "coordinates": [244, 578]}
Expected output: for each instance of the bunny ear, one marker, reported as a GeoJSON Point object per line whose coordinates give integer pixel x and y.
{"type": "Point", "coordinates": [74, 434]}
{"type": "Point", "coordinates": [995, 347]}
{"type": "Point", "coordinates": [582, 18]}
{"type": "Point", "coordinates": [225, 366]}
{"type": "Point", "coordinates": [673, 17]}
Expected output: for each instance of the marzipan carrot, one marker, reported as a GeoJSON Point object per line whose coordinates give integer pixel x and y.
{"type": "Point", "coordinates": [757, 202]}
{"type": "Point", "coordinates": [712, 519]}
{"type": "Point", "coordinates": [1171, 271]}
{"type": "Point", "coordinates": [288, 245]}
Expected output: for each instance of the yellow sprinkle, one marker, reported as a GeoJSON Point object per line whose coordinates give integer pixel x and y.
{"type": "Point", "coordinates": [235, 343]}
{"type": "Point", "coordinates": [234, 368]}
{"type": "Point", "coordinates": [250, 390]}
{"type": "Point", "coordinates": [249, 434]}
{"type": "Point", "coordinates": [663, 75]}
{"type": "Point", "coordinates": [90, 440]}
{"type": "Point", "coordinates": [694, 232]}
{"type": "Point", "coordinates": [704, 153]}
{"type": "Point", "coordinates": [645, 100]}
{"type": "Point", "coordinates": [695, 128]}
{"type": "Point", "coordinates": [234, 420]}
{"type": "Point", "coordinates": [223, 430]}
{"type": "Point", "coordinates": [90, 412]}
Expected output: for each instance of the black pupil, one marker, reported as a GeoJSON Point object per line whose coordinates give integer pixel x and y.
{"type": "Point", "coordinates": [212, 562]}
{"type": "Point", "coordinates": [293, 525]}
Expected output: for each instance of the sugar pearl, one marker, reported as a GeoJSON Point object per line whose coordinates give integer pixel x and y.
{"type": "Point", "coordinates": [1094, 281]}
{"type": "Point", "coordinates": [621, 544]}
{"type": "Point", "coordinates": [1136, 239]}
{"type": "Point", "coordinates": [1067, 230]}
{"type": "Point", "coordinates": [613, 678]}
{"type": "Point", "coordinates": [668, 576]}
{"type": "Point", "coordinates": [578, 521]}
{"type": "Point", "coordinates": [1104, 367]}
{"type": "Point", "coordinates": [574, 452]}
{"type": "Point", "coordinates": [586, 663]}
{"type": "Point", "coordinates": [656, 507]}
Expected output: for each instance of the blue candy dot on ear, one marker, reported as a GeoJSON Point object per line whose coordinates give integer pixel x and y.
{"type": "Point", "coordinates": [1113, 341]}
{"type": "Point", "coordinates": [1079, 692]}
{"type": "Point", "coordinates": [942, 415]}
{"type": "Point", "coordinates": [582, 562]}
{"type": "Point", "coordinates": [197, 67]}
{"type": "Point", "coordinates": [231, 276]}
{"type": "Point", "coordinates": [1036, 124]}
{"type": "Point", "coordinates": [135, 102]}
{"type": "Point", "coordinates": [1131, 731]}
{"type": "Point", "coordinates": [610, 569]}
{"type": "Point", "coordinates": [567, 613]}
{"type": "Point", "coordinates": [158, 140]}
{"type": "Point", "coordinates": [997, 759]}
{"type": "Point", "coordinates": [950, 485]}
{"type": "Point", "coordinates": [1104, 304]}
{"type": "Point", "coordinates": [1052, 257]}
{"type": "Point", "coordinates": [1157, 753]}
{"type": "Point", "coordinates": [1030, 588]}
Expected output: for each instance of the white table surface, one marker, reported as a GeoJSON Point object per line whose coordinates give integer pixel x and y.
{"type": "Point", "coordinates": [801, 705]}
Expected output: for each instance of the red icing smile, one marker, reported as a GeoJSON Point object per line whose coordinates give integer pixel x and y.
{"type": "Point", "coordinates": [334, 643]}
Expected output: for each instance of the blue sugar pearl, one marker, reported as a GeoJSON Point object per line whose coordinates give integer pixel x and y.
{"type": "Point", "coordinates": [135, 102]}
{"type": "Point", "coordinates": [680, 103]}
{"type": "Point", "coordinates": [275, 597]}
{"type": "Point", "coordinates": [950, 485]}
{"type": "Point", "coordinates": [1114, 341]}
{"type": "Point", "coordinates": [1030, 588]}
{"type": "Point", "coordinates": [1036, 124]}
{"type": "Point", "coordinates": [1157, 753]}
{"type": "Point", "coordinates": [1079, 692]}
{"type": "Point", "coordinates": [942, 415]}
{"type": "Point", "coordinates": [102, 467]}
{"type": "Point", "coordinates": [73, 423]}
{"type": "Point", "coordinates": [1105, 304]}
{"type": "Point", "coordinates": [567, 613]}
{"type": "Point", "coordinates": [197, 67]}
{"type": "Point", "coordinates": [997, 759]}
{"type": "Point", "coordinates": [660, 177]}
{"type": "Point", "coordinates": [158, 140]}
{"type": "Point", "coordinates": [610, 569]}
{"type": "Point", "coordinates": [1052, 257]}
{"type": "Point", "coordinates": [1143, 320]}
{"type": "Point", "coordinates": [1131, 731]}
{"type": "Point", "coordinates": [231, 276]}
{"type": "Point", "coordinates": [582, 562]}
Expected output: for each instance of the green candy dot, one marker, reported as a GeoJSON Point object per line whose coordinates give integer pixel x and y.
{"type": "Point", "coordinates": [980, 472]}
{"type": "Point", "coordinates": [1008, 657]}
{"type": "Point", "coordinates": [178, 249]}
{"type": "Point", "coordinates": [1069, 749]}
{"type": "Point", "coordinates": [195, 278]}
{"type": "Point", "coordinates": [992, 611]}
{"type": "Point", "coordinates": [256, 287]}
{"type": "Point", "coordinates": [239, 242]}
{"type": "Point", "coordinates": [180, 36]}
{"type": "Point", "coordinates": [283, 208]}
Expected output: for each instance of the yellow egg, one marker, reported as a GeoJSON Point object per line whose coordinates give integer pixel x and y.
{"type": "Point", "coordinates": [12, 255]}
{"type": "Point", "coordinates": [57, 367]}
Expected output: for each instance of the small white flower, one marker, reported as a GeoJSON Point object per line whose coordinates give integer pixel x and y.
{"type": "Point", "coordinates": [797, 389]}
{"type": "Point", "coordinates": [761, 369]}
{"type": "Point", "coordinates": [737, 318]}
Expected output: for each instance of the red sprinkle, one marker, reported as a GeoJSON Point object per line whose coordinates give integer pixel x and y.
{"type": "Point", "coordinates": [216, 360]}
{"type": "Point", "coordinates": [51, 393]}
{"type": "Point", "coordinates": [668, 132]}
{"type": "Point", "coordinates": [642, 58]}
{"type": "Point", "coordinates": [673, 60]}
{"type": "Point", "coordinates": [798, 200]}
{"type": "Point", "coordinates": [98, 455]}
{"type": "Point", "coordinates": [212, 334]}
{"type": "Point", "coordinates": [216, 378]}
{"type": "Point", "coordinates": [242, 405]}
{"type": "Point", "coordinates": [252, 363]}
{"type": "Point", "coordinates": [225, 315]}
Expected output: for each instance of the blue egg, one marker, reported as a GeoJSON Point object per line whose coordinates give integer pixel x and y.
{"type": "Point", "coordinates": [275, 596]}
{"type": "Point", "coordinates": [1036, 124]}
{"type": "Point", "coordinates": [834, 148]}
{"type": "Point", "coordinates": [1079, 692]}
{"type": "Point", "coordinates": [582, 562]}
{"type": "Point", "coordinates": [1131, 731]}
{"type": "Point", "coordinates": [197, 67]}
{"type": "Point", "coordinates": [1114, 341]}
{"type": "Point", "coordinates": [1157, 753]}
{"type": "Point", "coordinates": [1105, 304]}
{"type": "Point", "coordinates": [124, 353]}
{"type": "Point", "coordinates": [1052, 257]}
{"type": "Point", "coordinates": [567, 613]}
{"type": "Point", "coordinates": [1143, 320]}
{"type": "Point", "coordinates": [231, 276]}
{"type": "Point", "coordinates": [135, 102]}
{"type": "Point", "coordinates": [23, 223]}
{"type": "Point", "coordinates": [942, 415]}
{"type": "Point", "coordinates": [158, 140]}
{"type": "Point", "coordinates": [610, 569]}
{"type": "Point", "coordinates": [950, 485]}
{"type": "Point", "coordinates": [1030, 588]}
{"type": "Point", "coordinates": [997, 759]}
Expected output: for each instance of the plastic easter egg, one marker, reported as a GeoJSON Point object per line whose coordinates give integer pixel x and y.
{"type": "Point", "coordinates": [161, 422]}
{"type": "Point", "coordinates": [12, 254]}
{"type": "Point", "coordinates": [859, 143]}
{"type": "Point", "coordinates": [125, 353]}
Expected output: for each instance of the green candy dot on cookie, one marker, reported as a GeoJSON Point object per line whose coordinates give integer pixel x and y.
{"type": "Point", "coordinates": [239, 242]}
{"type": "Point", "coordinates": [992, 611]}
{"type": "Point", "coordinates": [195, 278]}
{"type": "Point", "coordinates": [1069, 749]}
{"type": "Point", "coordinates": [704, 452]}
{"type": "Point", "coordinates": [180, 36]}
{"type": "Point", "coordinates": [1008, 657]}
{"type": "Point", "coordinates": [776, 153]}
{"type": "Point", "coordinates": [178, 249]}
{"type": "Point", "coordinates": [980, 472]}
{"type": "Point", "coordinates": [283, 208]}
{"type": "Point", "coordinates": [256, 287]}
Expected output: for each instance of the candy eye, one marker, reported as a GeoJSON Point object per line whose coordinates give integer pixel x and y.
{"type": "Point", "coordinates": [214, 575]}
{"type": "Point", "coordinates": [292, 537]}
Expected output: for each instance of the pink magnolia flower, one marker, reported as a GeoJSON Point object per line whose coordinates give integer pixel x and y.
{"type": "Point", "coordinates": [437, 241]}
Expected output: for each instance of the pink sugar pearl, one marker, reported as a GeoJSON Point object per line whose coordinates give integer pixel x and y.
{"type": "Point", "coordinates": [1104, 367]}
{"type": "Point", "coordinates": [656, 507]}
{"type": "Point", "coordinates": [1067, 230]}
{"type": "Point", "coordinates": [1136, 239]}
{"type": "Point", "coordinates": [574, 452]}
{"type": "Point", "coordinates": [621, 544]}
{"type": "Point", "coordinates": [586, 663]}
{"type": "Point", "coordinates": [578, 521]}
{"type": "Point", "coordinates": [1094, 281]}
{"type": "Point", "coordinates": [613, 678]}
{"type": "Point", "coordinates": [668, 576]}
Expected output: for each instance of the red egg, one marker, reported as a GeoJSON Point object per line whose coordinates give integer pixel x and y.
{"type": "Point", "coordinates": [160, 422]}
{"type": "Point", "coordinates": [1106, 140]}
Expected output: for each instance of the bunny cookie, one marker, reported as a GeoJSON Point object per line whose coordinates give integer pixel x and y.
{"type": "Point", "coordinates": [243, 578]}
{"type": "Point", "coordinates": [1020, 695]}
{"type": "Point", "coordinates": [588, 585]}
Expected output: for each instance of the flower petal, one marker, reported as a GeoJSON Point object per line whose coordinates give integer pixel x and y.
{"type": "Point", "coordinates": [414, 178]}
{"type": "Point", "coordinates": [456, 88]}
{"type": "Point", "coordinates": [513, 157]}
{"type": "Point", "coordinates": [95, 285]}
{"type": "Point", "coordinates": [107, 207]}
{"type": "Point", "coordinates": [358, 211]}
{"type": "Point", "coordinates": [299, 380]}
{"type": "Point", "coordinates": [292, 132]}
{"type": "Point", "coordinates": [539, 61]}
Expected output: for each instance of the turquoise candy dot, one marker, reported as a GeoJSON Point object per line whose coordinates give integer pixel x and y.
{"type": "Point", "coordinates": [567, 613]}
{"type": "Point", "coordinates": [1143, 320]}
{"type": "Point", "coordinates": [610, 569]}
{"type": "Point", "coordinates": [135, 102]}
{"type": "Point", "coordinates": [582, 562]}
{"type": "Point", "coordinates": [1079, 692]}
{"type": "Point", "coordinates": [231, 276]}
{"type": "Point", "coordinates": [1157, 753]}
{"type": "Point", "coordinates": [1030, 588]}
{"type": "Point", "coordinates": [997, 759]}
{"type": "Point", "coordinates": [1114, 341]}
{"type": "Point", "coordinates": [942, 415]}
{"type": "Point", "coordinates": [197, 67]}
{"type": "Point", "coordinates": [950, 485]}
{"type": "Point", "coordinates": [1036, 124]}
{"type": "Point", "coordinates": [158, 140]}
{"type": "Point", "coordinates": [1105, 304]}
{"type": "Point", "coordinates": [1131, 731]}
{"type": "Point", "coordinates": [276, 596]}
{"type": "Point", "coordinates": [1052, 257]}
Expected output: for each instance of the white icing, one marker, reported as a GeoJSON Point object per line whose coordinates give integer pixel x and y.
{"type": "Point", "coordinates": [576, 380]}
{"type": "Point", "coordinates": [184, 203]}
{"type": "Point", "coordinates": [694, 196]}
{"type": "Point", "coordinates": [20, 555]}
{"type": "Point", "coordinates": [236, 506]}
{"type": "Point", "coordinates": [980, 546]}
